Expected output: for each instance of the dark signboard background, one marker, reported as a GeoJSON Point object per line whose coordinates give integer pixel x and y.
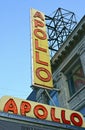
{"type": "Point", "coordinates": [16, 122]}
{"type": "Point", "coordinates": [8, 125]}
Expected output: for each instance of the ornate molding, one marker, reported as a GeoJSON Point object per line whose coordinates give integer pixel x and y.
{"type": "Point", "coordinates": [81, 50]}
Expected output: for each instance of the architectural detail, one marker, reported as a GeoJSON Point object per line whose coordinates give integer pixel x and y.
{"type": "Point", "coordinates": [81, 52]}
{"type": "Point", "coordinates": [70, 60]}
{"type": "Point", "coordinates": [41, 96]}
{"type": "Point", "coordinates": [59, 25]}
{"type": "Point", "coordinates": [81, 49]}
{"type": "Point", "coordinates": [62, 95]}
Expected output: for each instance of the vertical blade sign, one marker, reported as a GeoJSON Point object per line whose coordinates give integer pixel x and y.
{"type": "Point", "coordinates": [41, 68]}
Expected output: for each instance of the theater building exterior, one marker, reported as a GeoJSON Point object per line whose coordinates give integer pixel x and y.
{"type": "Point", "coordinates": [68, 67]}
{"type": "Point", "coordinates": [58, 99]}
{"type": "Point", "coordinates": [68, 71]}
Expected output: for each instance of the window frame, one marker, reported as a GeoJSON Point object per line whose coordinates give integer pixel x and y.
{"type": "Point", "coordinates": [69, 76]}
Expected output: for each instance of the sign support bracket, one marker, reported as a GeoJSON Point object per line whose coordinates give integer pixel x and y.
{"type": "Point", "coordinates": [50, 97]}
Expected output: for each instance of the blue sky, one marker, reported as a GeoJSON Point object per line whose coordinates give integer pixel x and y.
{"type": "Point", "coordinates": [15, 55]}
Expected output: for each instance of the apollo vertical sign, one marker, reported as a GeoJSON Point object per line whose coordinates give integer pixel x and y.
{"type": "Point", "coordinates": [41, 69]}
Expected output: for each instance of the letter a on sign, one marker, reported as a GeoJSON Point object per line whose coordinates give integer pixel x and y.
{"type": "Point", "coordinates": [41, 68]}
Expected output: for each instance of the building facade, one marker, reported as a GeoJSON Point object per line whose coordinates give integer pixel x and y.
{"type": "Point", "coordinates": [68, 68]}
{"type": "Point", "coordinates": [16, 122]}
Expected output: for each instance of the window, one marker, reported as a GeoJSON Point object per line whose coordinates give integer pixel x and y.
{"type": "Point", "coordinates": [54, 96]}
{"type": "Point", "coordinates": [82, 110]}
{"type": "Point", "coordinates": [75, 77]}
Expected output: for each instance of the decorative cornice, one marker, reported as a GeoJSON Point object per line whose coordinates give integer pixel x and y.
{"type": "Point", "coordinates": [81, 49]}
{"type": "Point", "coordinates": [59, 57]}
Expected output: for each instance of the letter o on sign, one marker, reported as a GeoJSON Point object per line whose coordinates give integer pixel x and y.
{"type": "Point", "coordinates": [40, 34]}
{"type": "Point", "coordinates": [45, 79]}
{"type": "Point", "coordinates": [40, 108]}
{"type": "Point", "coordinates": [79, 120]}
